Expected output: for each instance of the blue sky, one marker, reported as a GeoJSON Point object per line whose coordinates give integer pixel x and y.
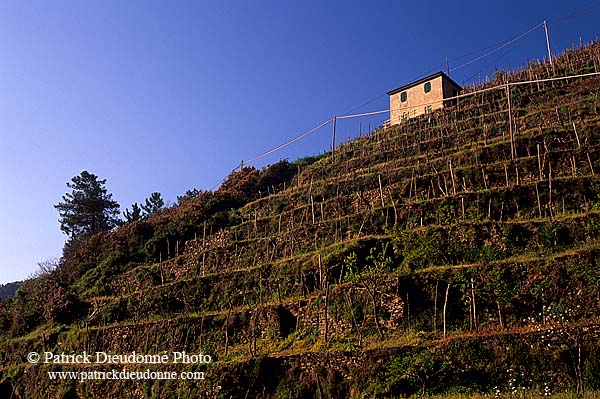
{"type": "Point", "coordinates": [169, 96]}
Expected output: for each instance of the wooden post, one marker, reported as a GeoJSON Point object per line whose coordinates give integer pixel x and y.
{"type": "Point", "coordinates": [227, 326]}
{"type": "Point", "coordinates": [537, 194]}
{"type": "Point", "coordinates": [590, 162]}
{"type": "Point", "coordinates": [312, 208]}
{"type": "Point", "coordinates": [470, 314]}
{"type": "Point", "coordinates": [474, 305]}
{"type": "Point", "coordinates": [320, 274]}
{"type": "Point", "coordinates": [550, 189]}
{"type": "Point", "coordinates": [394, 206]}
{"type": "Point", "coordinates": [576, 135]}
{"type": "Point", "coordinates": [381, 191]}
{"type": "Point", "coordinates": [445, 304]}
{"type": "Point", "coordinates": [279, 224]}
{"type": "Point", "coordinates": [484, 178]}
{"type": "Point", "coordinates": [510, 124]}
{"type": "Point", "coordinates": [408, 310]}
{"type": "Point", "coordinates": [311, 202]}
{"type": "Point", "coordinates": [333, 138]}
{"type": "Point", "coordinates": [539, 162]}
{"type": "Point", "coordinates": [548, 43]}
{"type": "Point", "coordinates": [326, 310]}
{"type": "Point", "coordinates": [500, 315]}
{"type": "Point", "coordinates": [452, 176]}
{"type": "Point", "coordinates": [322, 212]}
{"type": "Point", "coordinates": [435, 307]}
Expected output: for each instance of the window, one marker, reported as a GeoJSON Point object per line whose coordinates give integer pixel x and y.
{"type": "Point", "coordinates": [403, 97]}
{"type": "Point", "coordinates": [427, 87]}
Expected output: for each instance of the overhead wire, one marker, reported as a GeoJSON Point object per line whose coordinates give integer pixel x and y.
{"type": "Point", "coordinates": [502, 55]}
{"type": "Point", "coordinates": [580, 13]}
{"type": "Point", "coordinates": [363, 114]}
{"type": "Point", "coordinates": [279, 147]}
{"type": "Point", "coordinates": [420, 105]}
{"type": "Point", "coordinates": [498, 48]}
{"type": "Point", "coordinates": [308, 132]}
{"type": "Point", "coordinates": [347, 114]}
{"type": "Point", "coordinates": [439, 66]}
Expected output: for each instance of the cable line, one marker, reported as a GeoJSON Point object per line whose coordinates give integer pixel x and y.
{"type": "Point", "coordinates": [279, 147]}
{"type": "Point", "coordinates": [498, 48]}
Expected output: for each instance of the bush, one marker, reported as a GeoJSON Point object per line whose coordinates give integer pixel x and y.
{"type": "Point", "coordinates": [554, 234]}
{"type": "Point", "coordinates": [276, 175]}
{"type": "Point", "coordinates": [592, 370]}
{"type": "Point", "coordinates": [516, 236]}
{"type": "Point", "coordinates": [63, 306]}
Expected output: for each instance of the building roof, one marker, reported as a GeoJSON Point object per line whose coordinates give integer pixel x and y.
{"type": "Point", "coordinates": [425, 79]}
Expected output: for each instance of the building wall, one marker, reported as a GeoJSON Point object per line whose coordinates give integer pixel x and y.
{"type": "Point", "coordinates": [449, 92]}
{"type": "Point", "coordinates": [418, 101]}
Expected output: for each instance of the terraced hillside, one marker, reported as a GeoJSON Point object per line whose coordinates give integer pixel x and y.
{"type": "Point", "coordinates": [452, 253]}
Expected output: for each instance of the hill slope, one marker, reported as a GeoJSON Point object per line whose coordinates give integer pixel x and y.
{"type": "Point", "coordinates": [426, 257]}
{"type": "Point", "coordinates": [8, 290]}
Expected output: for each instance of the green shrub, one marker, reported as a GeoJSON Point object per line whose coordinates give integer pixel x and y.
{"type": "Point", "coordinates": [553, 234]}
{"type": "Point", "coordinates": [516, 236]}
{"type": "Point", "coordinates": [592, 370]}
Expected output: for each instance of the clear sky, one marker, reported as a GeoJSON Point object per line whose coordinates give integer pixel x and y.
{"type": "Point", "coordinates": [169, 96]}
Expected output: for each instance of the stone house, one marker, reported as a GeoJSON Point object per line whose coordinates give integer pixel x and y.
{"type": "Point", "coordinates": [421, 97]}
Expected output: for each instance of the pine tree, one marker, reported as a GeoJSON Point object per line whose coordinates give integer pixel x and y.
{"type": "Point", "coordinates": [134, 214]}
{"type": "Point", "coordinates": [88, 208]}
{"type": "Point", "coordinates": [152, 204]}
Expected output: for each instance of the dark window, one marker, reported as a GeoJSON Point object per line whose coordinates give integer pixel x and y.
{"type": "Point", "coordinates": [427, 87]}
{"type": "Point", "coordinates": [403, 97]}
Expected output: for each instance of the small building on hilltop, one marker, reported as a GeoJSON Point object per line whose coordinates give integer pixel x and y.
{"type": "Point", "coordinates": [421, 97]}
